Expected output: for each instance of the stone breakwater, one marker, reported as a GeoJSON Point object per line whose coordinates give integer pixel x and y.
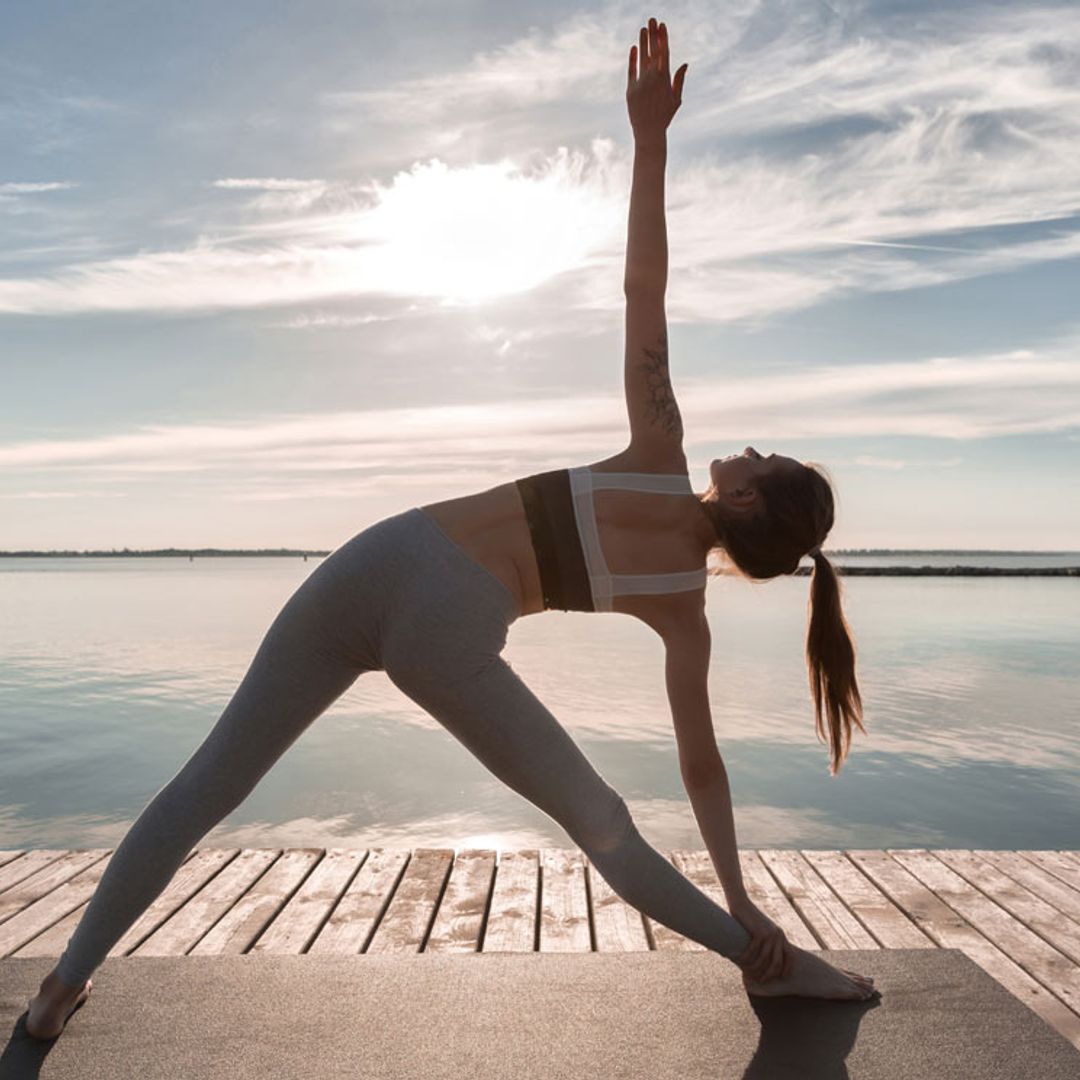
{"type": "Point", "coordinates": [949, 571]}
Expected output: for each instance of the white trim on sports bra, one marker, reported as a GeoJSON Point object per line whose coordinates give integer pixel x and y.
{"type": "Point", "coordinates": [604, 584]}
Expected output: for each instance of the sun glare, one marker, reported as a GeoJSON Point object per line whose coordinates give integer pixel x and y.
{"type": "Point", "coordinates": [483, 231]}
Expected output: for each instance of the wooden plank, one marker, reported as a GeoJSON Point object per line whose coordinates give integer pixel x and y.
{"type": "Point", "coordinates": [353, 920]}
{"type": "Point", "coordinates": [194, 872]}
{"type": "Point", "coordinates": [767, 896]}
{"type": "Point", "coordinates": [234, 933]}
{"type": "Point", "coordinates": [54, 940]}
{"type": "Point", "coordinates": [617, 925]}
{"type": "Point", "coordinates": [459, 922]}
{"type": "Point", "coordinates": [564, 901]}
{"type": "Point", "coordinates": [190, 921]}
{"type": "Point", "coordinates": [16, 870]}
{"type": "Point", "coordinates": [8, 856]}
{"type": "Point", "coordinates": [662, 936]}
{"type": "Point", "coordinates": [697, 867]}
{"type": "Point", "coordinates": [1032, 933]}
{"type": "Point", "coordinates": [1041, 882]}
{"type": "Point", "coordinates": [412, 908]}
{"type": "Point", "coordinates": [952, 931]}
{"type": "Point", "coordinates": [60, 900]}
{"type": "Point", "coordinates": [884, 921]}
{"type": "Point", "coordinates": [300, 920]}
{"type": "Point", "coordinates": [512, 916]}
{"type": "Point", "coordinates": [822, 909]}
{"type": "Point", "coordinates": [1058, 863]}
{"type": "Point", "coordinates": [34, 888]}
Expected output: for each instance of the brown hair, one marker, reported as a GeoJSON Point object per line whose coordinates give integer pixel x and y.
{"type": "Point", "coordinates": [798, 514]}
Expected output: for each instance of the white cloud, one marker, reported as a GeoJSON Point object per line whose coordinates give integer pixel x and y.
{"type": "Point", "coordinates": [13, 193]}
{"type": "Point", "coordinates": [278, 195]}
{"type": "Point", "coordinates": [952, 398]}
{"type": "Point", "coordinates": [267, 184]}
{"type": "Point", "coordinates": [879, 462]}
{"type": "Point", "coordinates": [321, 321]}
{"type": "Point", "coordinates": [63, 495]}
{"type": "Point", "coordinates": [952, 126]}
{"type": "Point", "coordinates": [459, 235]}
{"type": "Point", "coordinates": [13, 187]}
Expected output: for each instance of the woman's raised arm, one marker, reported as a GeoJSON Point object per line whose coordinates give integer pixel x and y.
{"type": "Point", "coordinates": [652, 100]}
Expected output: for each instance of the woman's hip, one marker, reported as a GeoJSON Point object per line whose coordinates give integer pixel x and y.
{"type": "Point", "coordinates": [412, 601]}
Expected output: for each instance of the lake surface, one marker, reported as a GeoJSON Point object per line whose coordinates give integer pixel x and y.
{"type": "Point", "coordinates": [113, 670]}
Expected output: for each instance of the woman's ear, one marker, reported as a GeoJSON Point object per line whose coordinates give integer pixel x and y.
{"type": "Point", "coordinates": [740, 499]}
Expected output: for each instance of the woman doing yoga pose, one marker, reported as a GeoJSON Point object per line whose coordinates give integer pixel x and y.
{"type": "Point", "coordinates": [428, 596]}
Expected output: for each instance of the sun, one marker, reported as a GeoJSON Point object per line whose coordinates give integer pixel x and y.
{"type": "Point", "coordinates": [480, 232]}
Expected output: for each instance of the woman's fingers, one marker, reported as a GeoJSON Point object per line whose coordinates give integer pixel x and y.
{"type": "Point", "coordinates": [776, 965]}
{"type": "Point", "coordinates": [750, 958]}
{"type": "Point", "coordinates": [680, 75]}
{"type": "Point", "coordinates": [631, 75]}
{"type": "Point", "coordinates": [652, 50]}
{"type": "Point", "coordinates": [768, 960]}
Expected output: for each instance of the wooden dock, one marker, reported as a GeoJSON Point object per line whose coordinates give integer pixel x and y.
{"type": "Point", "coordinates": [1014, 913]}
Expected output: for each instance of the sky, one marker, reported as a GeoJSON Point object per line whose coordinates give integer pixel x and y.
{"type": "Point", "coordinates": [270, 272]}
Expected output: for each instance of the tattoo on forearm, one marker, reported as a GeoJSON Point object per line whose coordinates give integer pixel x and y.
{"type": "Point", "coordinates": [661, 408]}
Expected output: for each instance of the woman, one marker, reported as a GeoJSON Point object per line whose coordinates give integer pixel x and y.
{"type": "Point", "coordinates": [428, 596]}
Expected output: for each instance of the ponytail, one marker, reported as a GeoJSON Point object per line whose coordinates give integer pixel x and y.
{"type": "Point", "coordinates": [797, 516]}
{"type": "Point", "coordinates": [830, 659]}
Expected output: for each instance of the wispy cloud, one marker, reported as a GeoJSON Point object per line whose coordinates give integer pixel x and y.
{"type": "Point", "coordinates": [81, 494]}
{"type": "Point", "coordinates": [951, 127]}
{"type": "Point", "coordinates": [323, 321]}
{"type": "Point", "coordinates": [267, 184]}
{"type": "Point", "coordinates": [14, 194]}
{"type": "Point", "coordinates": [952, 398]}
{"type": "Point", "coordinates": [17, 187]}
{"type": "Point", "coordinates": [878, 462]}
{"type": "Point", "coordinates": [459, 235]}
{"type": "Point", "coordinates": [278, 195]}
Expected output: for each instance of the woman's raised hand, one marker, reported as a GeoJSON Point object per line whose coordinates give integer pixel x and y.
{"type": "Point", "coordinates": [651, 97]}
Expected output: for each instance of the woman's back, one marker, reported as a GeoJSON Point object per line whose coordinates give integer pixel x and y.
{"type": "Point", "coordinates": [640, 532]}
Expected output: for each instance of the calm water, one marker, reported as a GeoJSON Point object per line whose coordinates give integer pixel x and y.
{"type": "Point", "coordinates": [113, 670]}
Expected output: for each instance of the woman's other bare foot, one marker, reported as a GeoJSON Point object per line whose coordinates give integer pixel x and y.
{"type": "Point", "coordinates": [55, 1002]}
{"type": "Point", "coordinates": [813, 977]}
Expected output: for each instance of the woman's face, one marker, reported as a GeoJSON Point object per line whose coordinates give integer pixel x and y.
{"type": "Point", "coordinates": [741, 471]}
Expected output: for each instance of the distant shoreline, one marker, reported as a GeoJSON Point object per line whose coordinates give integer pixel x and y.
{"type": "Point", "coordinates": [134, 553]}
{"type": "Point", "coordinates": [159, 553]}
{"type": "Point", "coordinates": [949, 571]}
{"type": "Point", "coordinates": [954, 570]}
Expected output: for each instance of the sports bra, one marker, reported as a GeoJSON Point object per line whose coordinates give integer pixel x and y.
{"type": "Point", "coordinates": [562, 524]}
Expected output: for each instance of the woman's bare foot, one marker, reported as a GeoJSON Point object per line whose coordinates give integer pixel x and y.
{"type": "Point", "coordinates": [813, 977]}
{"type": "Point", "coordinates": [55, 1002]}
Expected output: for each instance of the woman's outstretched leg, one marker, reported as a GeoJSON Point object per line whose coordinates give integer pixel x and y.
{"type": "Point", "coordinates": [497, 717]}
{"type": "Point", "coordinates": [297, 672]}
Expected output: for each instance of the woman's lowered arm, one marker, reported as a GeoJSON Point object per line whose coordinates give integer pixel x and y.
{"type": "Point", "coordinates": [686, 672]}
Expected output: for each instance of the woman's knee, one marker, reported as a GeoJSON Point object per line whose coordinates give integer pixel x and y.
{"type": "Point", "coordinates": [602, 825]}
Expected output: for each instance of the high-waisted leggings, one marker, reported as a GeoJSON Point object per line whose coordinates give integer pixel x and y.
{"type": "Point", "coordinates": [403, 598]}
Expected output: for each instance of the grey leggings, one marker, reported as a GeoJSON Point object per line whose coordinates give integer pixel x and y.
{"type": "Point", "coordinates": [403, 598]}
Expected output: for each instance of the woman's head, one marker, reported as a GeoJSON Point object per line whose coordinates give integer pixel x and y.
{"type": "Point", "coordinates": [767, 512]}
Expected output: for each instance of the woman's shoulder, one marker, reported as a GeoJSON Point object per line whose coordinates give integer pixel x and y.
{"type": "Point", "coordinates": [636, 460]}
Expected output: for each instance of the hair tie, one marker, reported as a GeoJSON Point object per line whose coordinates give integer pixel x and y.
{"type": "Point", "coordinates": [815, 551]}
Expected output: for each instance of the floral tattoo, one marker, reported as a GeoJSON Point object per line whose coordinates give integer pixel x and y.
{"type": "Point", "coordinates": [661, 408]}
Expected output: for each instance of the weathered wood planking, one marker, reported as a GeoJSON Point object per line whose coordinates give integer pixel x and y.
{"type": "Point", "coordinates": [1015, 913]}
{"type": "Point", "coordinates": [512, 915]}
{"type": "Point", "coordinates": [895, 875]}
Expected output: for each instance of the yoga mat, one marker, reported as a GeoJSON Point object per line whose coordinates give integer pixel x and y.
{"type": "Point", "coordinates": [649, 1015]}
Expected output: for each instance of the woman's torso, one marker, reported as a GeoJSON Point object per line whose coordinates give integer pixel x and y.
{"type": "Point", "coordinates": [640, 533]}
